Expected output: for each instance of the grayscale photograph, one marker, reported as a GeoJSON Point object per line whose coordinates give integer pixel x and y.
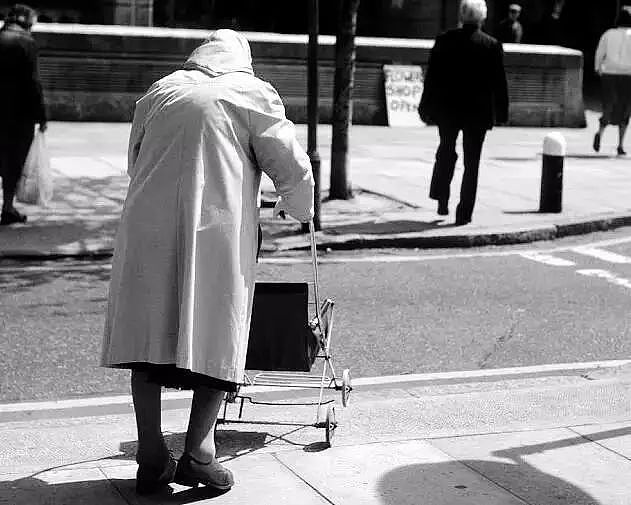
{"type": "Point", "coordinates": [311, 252]}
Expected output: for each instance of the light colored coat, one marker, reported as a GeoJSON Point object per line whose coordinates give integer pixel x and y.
{"type": "Point", "coordinates": [183, 270]}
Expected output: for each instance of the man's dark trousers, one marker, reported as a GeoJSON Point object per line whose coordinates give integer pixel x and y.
{"type": "Point", "coordinates": [15, 142]}
{"type": "Point", "coordinates": [472, 140]}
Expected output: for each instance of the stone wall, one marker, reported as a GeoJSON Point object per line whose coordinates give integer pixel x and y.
{"type": "Point", "coordinates": [95, 73]}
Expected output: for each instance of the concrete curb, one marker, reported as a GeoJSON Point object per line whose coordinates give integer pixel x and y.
{"type": "Point", "coordinates": [390, 387]}
{"type": "Point", "coordinates": [476, 238]}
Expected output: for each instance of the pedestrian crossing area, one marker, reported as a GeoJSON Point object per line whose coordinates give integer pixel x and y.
{"type": "Point", "coordinates": [604, 264]}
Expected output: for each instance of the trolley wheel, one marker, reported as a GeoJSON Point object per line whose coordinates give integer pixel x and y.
{"type": "Point", "coordinates": [330, 425]}
{"type": "Point", "coordinates": [347, 386]}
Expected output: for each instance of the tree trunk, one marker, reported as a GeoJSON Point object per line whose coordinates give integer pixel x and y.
{"type": "Point", "coordinates": [343, 98]}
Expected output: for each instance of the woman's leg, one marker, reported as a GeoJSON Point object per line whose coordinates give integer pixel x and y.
{"type": "Point", "coordinates": [146, 396]}
{"type": "Point", "coordinates": [622, 130]}
{"type": "Point", "coordinates": [200, 436]}
{"type": "Point", "coordinates": [602, 124]}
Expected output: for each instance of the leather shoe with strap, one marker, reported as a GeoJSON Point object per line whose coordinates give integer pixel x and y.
{"type": "Point", "coordinates": [152, 479]}
{"type": "Point", "coordinates": [191, 472]}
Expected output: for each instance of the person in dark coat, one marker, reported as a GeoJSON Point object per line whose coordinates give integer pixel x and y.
{"type": "Point", "coordinates": [22, 103]}
{"type": "Point", "coordinates": [510, 28]}
{"type": "Point", "coordinates": [465, 90]}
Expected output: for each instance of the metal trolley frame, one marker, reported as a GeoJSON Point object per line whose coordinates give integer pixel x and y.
{"type": "Point", "coordinates": [321, 326]}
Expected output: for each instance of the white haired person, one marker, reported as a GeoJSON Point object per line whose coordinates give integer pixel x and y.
{"type": "Point", "coordinates": [182, 281]}
{"type": "Point", "coordinates": [613, 64]}
{"type": "Point", "coordinates": [465, 90]}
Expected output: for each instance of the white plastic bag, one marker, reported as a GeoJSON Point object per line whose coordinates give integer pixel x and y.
{"type": "Point", "coordinates": [36, 184]}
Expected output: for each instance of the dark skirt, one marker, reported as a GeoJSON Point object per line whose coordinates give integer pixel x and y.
{"type": "Point", "coordinates": [170, 376]}
{"type": "Point", "coordinates": [616, 97]}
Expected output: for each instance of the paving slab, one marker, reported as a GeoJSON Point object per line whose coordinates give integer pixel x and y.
{"type": "Point", "coordinates": [394, 473]}
{"type": "Point", "coordinates": [546, 467]}
{"type": "Point", "coordinates": [60, 487]}
{"type": "Point", "coordinates": [614, 436]}
{"type": "Point", "coordinates": [259, 479]}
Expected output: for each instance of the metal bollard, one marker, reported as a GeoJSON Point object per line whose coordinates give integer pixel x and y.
{"type": "Point", "coordinates": [554, 148]}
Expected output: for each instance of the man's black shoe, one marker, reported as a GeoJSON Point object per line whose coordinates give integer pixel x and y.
{"type": "Point", "coordinates": [443, 208]}
{"type": "Point", "coordinates": [12, 217]}
{"type": "Point", "coordinates": [460, 221]}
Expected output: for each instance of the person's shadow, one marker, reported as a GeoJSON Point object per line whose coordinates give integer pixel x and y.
{"type": "Point", "coordinates": [516, 477]}
{"type": "Point", "coordinates": [34, 489]}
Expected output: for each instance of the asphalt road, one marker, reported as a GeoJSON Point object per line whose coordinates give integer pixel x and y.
{"type": "Point", "coordinates": [396, 312]}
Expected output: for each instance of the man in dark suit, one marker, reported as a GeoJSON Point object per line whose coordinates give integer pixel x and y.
{"type": "Point", "coordinates": [22, 103]}
{"type": "Point", "coordinates": [465, 90]}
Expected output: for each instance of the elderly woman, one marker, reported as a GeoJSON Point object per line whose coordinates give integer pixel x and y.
{"type": "Point", "coordinates": [183, 271]}
{"type": "Point", "coordinates": [613, 64]}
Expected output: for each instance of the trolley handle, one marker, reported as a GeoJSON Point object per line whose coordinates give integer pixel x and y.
{"type": "Point", "coordinates": [314, 262]}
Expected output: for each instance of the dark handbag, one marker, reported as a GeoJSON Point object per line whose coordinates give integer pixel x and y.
{"type": "Point", "coordinates": [280, 336]}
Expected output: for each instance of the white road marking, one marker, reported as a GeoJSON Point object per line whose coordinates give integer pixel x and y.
{"type": "Point", "coordinates": [547, 259]}
{"type": "Point", "coordinates": [601, 254]}
{"type": "Point", "coordinates": [608, 276]}
{"type": "Point", "coordinates": [513, 372]}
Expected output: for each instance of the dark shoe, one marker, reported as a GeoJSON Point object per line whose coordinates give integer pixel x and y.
{"type": "Point", "coordinates": [596, 144]}
{"type": "Point", "coordinates": [12, 217]}
{"type": "Point", "coordinates": [443, 208]}
{"type": "Point", "coordinates": [621, 152]}
{"type": "Point", "coordinates": [191, 472]}
{"type": "Point", "coordinates": [462, 221]}
{"type": "Point", "coordinates": [151, 479]}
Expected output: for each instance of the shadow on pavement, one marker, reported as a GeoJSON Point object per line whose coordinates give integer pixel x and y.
{"type": "Point", "coordinates": [404, 485]}
{"type": "Point", "coordinates": [83, 215]}
{"type": "Point", "coordinates": [103, 491]}
{"type": "Point", "coordinates": [18, 281]}
{"type": "Point", "coordinates": [517, 475]}
{"type": "Point", "coordinates": [386, 228]}
{"type": "Point", "coordinates": [33, 489]}
{"type": "Point", "coordinates": [231, 444]}
{"type": "Point", "coordinates": [521, 212]}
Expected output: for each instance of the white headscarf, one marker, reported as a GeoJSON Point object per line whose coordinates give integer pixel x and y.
{"type": "Point", "coordinates": [225, 51]}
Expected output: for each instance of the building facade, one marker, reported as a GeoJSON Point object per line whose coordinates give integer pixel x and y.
{"type": "Point", "coordinates": [577, 24]}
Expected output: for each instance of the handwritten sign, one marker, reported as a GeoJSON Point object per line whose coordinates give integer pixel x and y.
{"type": "Point", "coordinates": [404, 87]}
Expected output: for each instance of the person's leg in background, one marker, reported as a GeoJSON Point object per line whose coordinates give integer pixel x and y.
{"type": "Point", "coordinates": [198, 464]}
{"type": "Point", "coordinates": [608, 92]}
{"type": "Point", "coordinates": [156, 467]}
{"type": "Point", "coordinates": [622, 130]}
{"type": "Point", "coordinates": [444, 167]}
{"type": "Point", "coordinates": [472, 141]}
{"type": "Point", "coordinates": [602, 124]}
{"type": "Point", "coordinates": [15, 144]}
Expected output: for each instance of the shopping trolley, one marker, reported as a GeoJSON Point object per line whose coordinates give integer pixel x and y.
{"type": "Point", "coordinates": [288, 333]}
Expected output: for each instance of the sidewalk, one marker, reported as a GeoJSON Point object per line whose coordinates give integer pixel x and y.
{"type": "Point", "coordinates": [390, 172]}
{"type": "Point", "coordinates": [538, 441]}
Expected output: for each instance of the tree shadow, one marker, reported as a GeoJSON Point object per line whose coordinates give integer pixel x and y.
{"type": "Point", "coordinates": [20, 280]}
{"type": "Point", "coordinates": [82, 216]}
